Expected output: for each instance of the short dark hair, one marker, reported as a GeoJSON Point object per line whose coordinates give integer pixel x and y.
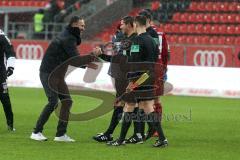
{"type": "Point", "coordinates": [146, 12]}
{"type": "Point", "coordinates": [74, 19]}
{"type": "Point", "coordinates": [128, 20]}
{"type": "Point", "coordinates": [142, 20]}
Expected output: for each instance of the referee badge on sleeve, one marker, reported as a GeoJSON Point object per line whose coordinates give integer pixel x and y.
{"type": "Point", "coordinates": [135, 48]}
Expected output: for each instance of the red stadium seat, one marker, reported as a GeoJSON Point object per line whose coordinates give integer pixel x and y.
{"type": "Point", "coordinates": [224, 6]}
{"type": "Point", "coordinates": [230, 18]}
{"type": "Point", "coordinates": [183, 28]}
{"type": "Point", "coordinates": [30, 3]}
{"type": "Point", "coordinates": [201, 6]}
{"type": "Point", "coordinates": [182, 39]}
{"type": "Point", "coordinates": [238, 7]}
{"type": "Point", "coordinates": [233, 6]}
{"type": "Point", "coordinates": [223, 18]}
{"type": "Point", "coordinates": [215, 18]}
{"type": "Point", "coordinates": [216, 6]}
{"type": "Point", "coordinates": [172, 39]}
{"type": "Point", "coordinates": [193, 6]}
{"type": "Point", "coordinates": [167, 28]}
{"type": "Point", "coordinates": [207, 28]}
{"type": "Point", "coordinates": [160, 28]}
{"type": "Point", "coordinates": [213, 40]}
{"type": "Point", "coordinates": [207, 17]}
{"type": "Point", "coordinates": [230, 29]}
{"type": "Point", "coordinates": [237, 29]}
{"type": "Point", "coordinates": [192, 17]}
{"type": "Point", "coordinates": [199, 28]}
{"type": "Point", "coordinates": [204, 40]}
{"type": "Point", "coordinates": [196, 39]}
{"type": "Point", "coordinates": [175, 28]}
{"type": "Point", "coordinates": [237, 41]}
{"type": "Point", "coordinates": [191, 28]}
{"type": "Point", "coordinates": [222, 29]}
{"type": "Point", "coordinates": [237, 18]}
{"type": "Point", "coordinates": [214, 29]}
{"type": "Point", "coordinates": [229, 40]}
{"type": "Point", "coordinates": [221, 40]}
{"type": "Point", "coordinates": [190, 40]}
{"type": "Point", "coordinates": [209, 6]}
{"type": "Point", "coordinates": [184, 17]}
{"type": "Point", "coordinates": [199, 17]}
{"type": "Point", "coordinates": [176, 17]}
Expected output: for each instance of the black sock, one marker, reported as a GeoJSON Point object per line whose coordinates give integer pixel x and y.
{"type": "Point", "coordinates": [116, 117]}
{"type": "Point", "coordinates": [154, 121]}
{"type": "Point", "coordinates": [5, 99]}
{"type": "Point", "coordinates": [142, 123]}
{"type": "Point", "coordinates": [139, 124]}
{"type": "Point", "coordinates": [135, 121]}
{"type": "Point", "coordinates": [127, 119]}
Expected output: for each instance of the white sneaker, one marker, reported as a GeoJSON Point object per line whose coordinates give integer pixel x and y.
{"type": "Point", "coordinates": [64, 138]}
{"type": "Point", "coordinates": [11, 129]}
{"type": "Point", "coordinates": [38, 136]}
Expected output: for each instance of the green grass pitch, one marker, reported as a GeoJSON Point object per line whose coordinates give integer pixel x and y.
{"type": "Point", "coordinates": [196, 128]}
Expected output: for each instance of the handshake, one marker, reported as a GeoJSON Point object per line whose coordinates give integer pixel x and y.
{"type": "Point", "coordinates": [97, 51]}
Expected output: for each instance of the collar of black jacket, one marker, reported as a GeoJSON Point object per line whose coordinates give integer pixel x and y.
{"type": "Point", "coordinates": [75, 31]}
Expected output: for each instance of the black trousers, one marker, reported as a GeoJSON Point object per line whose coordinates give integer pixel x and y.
{"type": "Point", "coordinates": [55, 89]}
{"type": "Point", "coordinates": [5, 100]}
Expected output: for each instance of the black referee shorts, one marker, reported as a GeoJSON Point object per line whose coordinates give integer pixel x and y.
{"type": "Point", "coordinates": [144, 92]}
{"type": "Point", "coordinates": [120, 86]}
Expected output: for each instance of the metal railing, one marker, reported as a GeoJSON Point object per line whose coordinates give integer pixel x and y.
{"type": "Point", "coordinates": [25, 30]}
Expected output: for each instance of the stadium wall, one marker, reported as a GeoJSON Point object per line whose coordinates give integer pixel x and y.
{"type": "Point", "coordinates": [187, 80]}
{"type": "Point", "coordinates": [188, 55]}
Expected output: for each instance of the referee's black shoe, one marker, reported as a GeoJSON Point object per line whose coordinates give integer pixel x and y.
{"type": "Point", "coordinates": [101, 137]}
{"type": "Point", "coordinates": [117, 142]}
{"type": "Point", "coordinates": [149, 134]}
{"type": "Point", "coordinates": [160, 143]}
{"type": "Point", "coordinates": [134, 140]}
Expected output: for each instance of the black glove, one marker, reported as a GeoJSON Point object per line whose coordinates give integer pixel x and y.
{"type": "Point", "coordinates": [10, 71]}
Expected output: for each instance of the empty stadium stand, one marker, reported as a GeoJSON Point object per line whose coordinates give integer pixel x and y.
{"type": "Point", "coordinates": [24, 3]}
{"type": "Point", "coordinates": [195, 22]}
{"type": "Point", "coordinates": [200, 21]}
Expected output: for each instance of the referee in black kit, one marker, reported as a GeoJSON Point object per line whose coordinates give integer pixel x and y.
{"type": "Point", "coordinates": [143, 50]}
{"type": "Point", "coordinates": [6, 51]}
{"type": "Point", "coordinates": [150, 30]}
{"type": "Point", "coordinates": [121, 82]}
{"type": "Point", "coordinates": [61, 53]}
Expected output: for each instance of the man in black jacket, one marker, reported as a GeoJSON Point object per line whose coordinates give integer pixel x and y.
{"type": "Point", "coordinates": [163, 56]}
{"type": "Point", "coordinates": [6, 51]}
{"type": "Point", "coordinates": [61, 53]}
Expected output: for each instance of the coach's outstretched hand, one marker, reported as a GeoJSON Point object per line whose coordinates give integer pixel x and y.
{"type": "Point", "coordinates": [10, 71]}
